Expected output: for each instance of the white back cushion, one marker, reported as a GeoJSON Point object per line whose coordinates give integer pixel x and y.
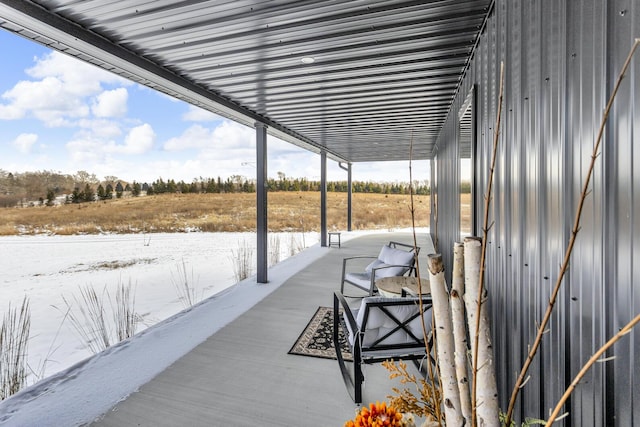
{"type": "Point", "coordinates": [393, 256]}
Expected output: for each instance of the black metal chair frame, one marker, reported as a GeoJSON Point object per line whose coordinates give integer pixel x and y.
{"type": "Point", "coordinates": [374, 272]}
{"type": "Point", "coordinates": [359, 352]}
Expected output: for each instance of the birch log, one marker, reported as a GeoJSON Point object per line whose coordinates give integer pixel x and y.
{"type": "Point", "coordinates": [486, 403]}
{"type": "Point", "coordinates": [460, 331]}
{"type": "Point", "coordinates": [444, 340]}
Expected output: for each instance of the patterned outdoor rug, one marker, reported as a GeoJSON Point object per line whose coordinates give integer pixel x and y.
{"type": "Point", "coordinates": [317, 338]}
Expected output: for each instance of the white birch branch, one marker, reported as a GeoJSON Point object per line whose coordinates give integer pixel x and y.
{"type": "Point", "coordinates": [486, 402]}
{"type": "Point", "coordinates": [460, 331]}
{"type": "Point", "coordinates": [444, 339]}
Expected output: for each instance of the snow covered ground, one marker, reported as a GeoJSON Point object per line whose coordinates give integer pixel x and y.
{"type": "Point", "coordinates": [52, 269]}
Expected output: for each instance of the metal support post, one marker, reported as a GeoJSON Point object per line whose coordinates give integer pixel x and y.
{"type": "Point", "coordinates": [323, 198]}
{"type": "Point", "coordinates": [261, 202]}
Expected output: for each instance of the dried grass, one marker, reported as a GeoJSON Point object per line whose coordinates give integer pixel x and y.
{"type": "Point", "coordinates": [185, 286]}
{"type": "Point", "coordinates": [14, 338]}
{"type": "Point", "coordinates": [288, 211]}
{"type": "Point", "coordinates": [274, 249]}
{"type": "Point", "coordinates": [242, 259]}
{"type": "Point", "coordinates": [93, 309]}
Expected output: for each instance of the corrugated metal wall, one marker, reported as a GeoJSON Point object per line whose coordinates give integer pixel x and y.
{"type": "Point", "coordinates": [561, 61]}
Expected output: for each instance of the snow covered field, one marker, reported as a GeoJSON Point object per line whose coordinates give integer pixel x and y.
{"type": "Point", "coordinates": [49, 268]}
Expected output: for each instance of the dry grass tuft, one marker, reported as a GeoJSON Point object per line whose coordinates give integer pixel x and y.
{"type": "Point", "coordinates": [242, 259]}
{"type": "Point", "coordinates": [185, 286]}
{"type": "Point", "coordinates": [93, 309]}
{"type": "Point", "coordinates": [14, 337]}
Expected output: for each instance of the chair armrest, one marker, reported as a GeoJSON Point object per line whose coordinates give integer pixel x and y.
{"type": "Point", "coordinates": [344, 267]}
{"type": "Point", "coordinates": [344, 262]}
{"type": "Point", "coordinates": [393, 244]}
{"type": "Point", "coordinates": [359, 257]}
{"type": "Point", "coordinates": [340, 302]}
{"type": "Point", "coordinates": [373, 270]}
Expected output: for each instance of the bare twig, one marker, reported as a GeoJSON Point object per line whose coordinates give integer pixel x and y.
{"type": "Point", "coordinates": [485, 231]}
{"type": "Point", "coordinates": [572, 240]}
{"type": "Point", "coordinates": [595, 358]}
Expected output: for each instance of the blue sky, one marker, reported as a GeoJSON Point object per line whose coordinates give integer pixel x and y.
{"type": "Point", "coordinates": [60, 114]}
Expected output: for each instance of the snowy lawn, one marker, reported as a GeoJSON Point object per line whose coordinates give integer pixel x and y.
{"type": "Point", "coordinates": [52, 269]}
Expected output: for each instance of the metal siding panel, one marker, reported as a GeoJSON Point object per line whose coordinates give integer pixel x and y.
{"type": "Point", "coordinates": [633, 256]}
{"type": "Point", "coordinates": [586, 280]}
{"type": "Point", "coordinates": [511, 288]}
{"type": "Point", "coordinates": [557, 80]}
{"type": "Point", "coordinates": [552, 139]}
{"type": "Point", "coordinates": [621, 198]}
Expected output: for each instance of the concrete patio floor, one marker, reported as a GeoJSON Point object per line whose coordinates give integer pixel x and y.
{"type": "Point", "coordinates": [243, 375]}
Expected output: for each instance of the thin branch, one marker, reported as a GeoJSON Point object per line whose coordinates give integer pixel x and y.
{"type": "Point", "coordinates": [595, 358]}
{"type": "Point", "coordinates": [572, 240]}
{"type": "Point", "coordinates": [485, 228]}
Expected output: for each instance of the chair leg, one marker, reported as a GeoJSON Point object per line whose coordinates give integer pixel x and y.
{"type": "Point", "coordinates": [346, 376]}
{"type": "Point", "coordinates": [358, 379]}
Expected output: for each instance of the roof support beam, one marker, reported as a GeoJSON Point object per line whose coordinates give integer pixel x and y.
{"type": "Point", "coordinates": [261, 202]}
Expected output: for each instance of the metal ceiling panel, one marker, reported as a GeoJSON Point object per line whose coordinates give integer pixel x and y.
{"type": "Point", "coordinates": [383, 72]}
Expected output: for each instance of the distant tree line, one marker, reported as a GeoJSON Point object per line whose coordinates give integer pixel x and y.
{"type": "Point", "coordinates": [45, 187]}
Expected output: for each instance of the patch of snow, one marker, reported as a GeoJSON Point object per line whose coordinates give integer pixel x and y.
{"type": "Point", "coordinates": [49, 268]}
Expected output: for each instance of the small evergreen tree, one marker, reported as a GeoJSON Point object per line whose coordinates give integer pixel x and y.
{"type": "Point", "coordinates": [135, 190]}
{"type": "Point", "coordinates": [51, 197]}
{"type": "Point", "coordinates": [75, 196]}
{"type": "Point", "coordinates": [101, 193]}
{"type": "Point", "coordinates": [119, 190]}
{"type": "Point", "coordinates": [108, 193]}
{"type": "Point", "coordinates": [87, 194]}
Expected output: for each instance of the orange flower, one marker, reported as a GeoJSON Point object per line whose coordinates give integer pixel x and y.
{"type": "Point", "coordinates": [376, 415]}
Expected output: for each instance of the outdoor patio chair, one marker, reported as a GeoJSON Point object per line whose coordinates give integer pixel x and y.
{"type": "Point", "coordinates": [381, 329]}
{"type": "Point", "coordinates": [394, 259]}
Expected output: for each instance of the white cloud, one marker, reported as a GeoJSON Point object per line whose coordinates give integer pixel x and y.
{"type": "Point", "coordinates": [195, 136]}
{"type": "Point", "coordinates": [101, 129]}
{"type": "Point", "coordinates": [232, 135]}
{"type": "Point", "coordinates": [86, 151]}
{"type": "Point", "coordinates": [197, 114]}
{"type": "Point", "coordinates": [11, 112]}
{"type": "Point", "coordinates": [60, 91]}
{"type": "Point", "coordinates": [48, 100]}
{"type": "Point", "coordinates": [80, 78]}
{"type": "Point", "coordinates": [111, 103]}
{"type": "Point", "coordinates": [24, 142]}
{"type": "Point", "coordinates": [139, 140]}
{"type": "Point", "coordinates": [222, 139]}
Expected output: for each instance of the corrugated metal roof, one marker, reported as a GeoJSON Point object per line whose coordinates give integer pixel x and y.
{"type": "Point", "coordinates": [383, 72]}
